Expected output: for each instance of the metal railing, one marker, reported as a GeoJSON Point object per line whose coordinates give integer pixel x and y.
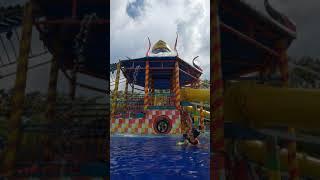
{"type": "Point", "coordinates": [135, 104]}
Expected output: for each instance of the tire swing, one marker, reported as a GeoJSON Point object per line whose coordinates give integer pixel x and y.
{"type": "Point", "coordinates": [162, 125]}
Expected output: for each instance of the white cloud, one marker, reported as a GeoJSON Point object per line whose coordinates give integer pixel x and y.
{"type": "Point", "coordinates": [161, 20]}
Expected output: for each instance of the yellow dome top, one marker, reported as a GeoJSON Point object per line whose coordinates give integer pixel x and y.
{"type": "Point", "coordinates": [161, 46]}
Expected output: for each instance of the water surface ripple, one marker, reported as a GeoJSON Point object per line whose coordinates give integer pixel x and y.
{"type": "Point", "coordinates": [158, 158]}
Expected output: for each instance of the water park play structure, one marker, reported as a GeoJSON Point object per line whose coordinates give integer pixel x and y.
{"type": "Point", "coordinates": [158, 110]}
{"type": "Point", "coordinates": [73, 33]}
{"type": "Point", "coordinates": [247, 45]}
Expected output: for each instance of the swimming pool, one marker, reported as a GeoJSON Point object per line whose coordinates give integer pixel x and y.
{"type": "Point", "coordinates": [158, 158]}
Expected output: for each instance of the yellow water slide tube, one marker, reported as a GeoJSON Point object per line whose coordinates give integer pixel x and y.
{"type": "Point", "coordinates": [196, 95]}
{"type": "Point", "coordinates": [264, 106]}
{"type": "Point", "coordinates": [257, 151]}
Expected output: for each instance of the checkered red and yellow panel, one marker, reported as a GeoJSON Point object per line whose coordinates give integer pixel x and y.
{"type": "Point", "coordinates": [145, 125]}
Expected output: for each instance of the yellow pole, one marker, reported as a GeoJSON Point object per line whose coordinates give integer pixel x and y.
{"type": "Point", "coordinates": [217, 167]}
{"type": "Point", "coordinates": [115, 91]}
{"type": "Point", "coordinates": [19, 93]}
{"type": "Point", "coordinates": [146, 87]}
{"type": "Point", "coordinates": [126, 93]}
{"type": "Point", "coordinates": [202, 118]}
{"type": "Point", "coordinates": [196, 116]}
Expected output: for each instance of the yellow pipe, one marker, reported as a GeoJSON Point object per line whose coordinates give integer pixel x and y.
{"type": "Point", "coordinates": [199, 95]}
{"type": "Point", "coordinates": [206, 113]}
{"type": "Point", "coordinates": [264, 106]}
{"type": "Point", "coordinates": [256, 151]}
{"type": "Point", "coordinates": [196, 95]}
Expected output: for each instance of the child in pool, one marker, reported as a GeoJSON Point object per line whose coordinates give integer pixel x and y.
{"type": "Point", "coordinates": [184, 140]}
{"type": "Point", "coordinates": [191, 138]}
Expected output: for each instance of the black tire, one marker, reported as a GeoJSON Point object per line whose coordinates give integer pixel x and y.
{"type": "Point", "coordinates": [162, 125]}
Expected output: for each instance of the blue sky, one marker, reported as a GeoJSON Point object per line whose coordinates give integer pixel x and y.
{"type": "Point", "coordinates": [132, 21]}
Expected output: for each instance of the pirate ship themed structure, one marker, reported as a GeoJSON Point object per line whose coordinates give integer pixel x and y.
{"type": "Point", "coordinates": [162, 73]}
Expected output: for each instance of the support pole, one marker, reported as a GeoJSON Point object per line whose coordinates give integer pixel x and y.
{"type": "Point", "coordinates": [202, 118]}
{"type": "Point", "coordinates": [217, 167]}
{"type": "Point", "coordinates": [51, 102]}
{"type": "Point", "coordinates": [126, 94]}
{"type": "Point", "coordinates": [284, 70]}
{"type": "Point", "coordinates": [73, 80]}
{"type": "Point", "coordinates": [172, 84]}
{"type": "Point", "coordinates": [196, 116]}
{"type": "Point", "coordinates": [292, 158]}
{"type": "Point", "coordinates": [115, 91]}
{"type": "Point", "coordinates": [273, 161]}
{"type": "Point", "coordinates": [177, 85]}
{"type": "Point", "coordinates": [283, 60]}
{"type": "Point", "coordinates": [146, 87]}
{"type": "Point", "coordinates": [14, 125]}
{"type": "Point", "coordinates": [152, 92]}
{"type": "Point", "coordinates": [132, 89]}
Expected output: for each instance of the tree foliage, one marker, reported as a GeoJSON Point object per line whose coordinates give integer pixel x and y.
{"type": "Point", "coordinates": [304, 72]}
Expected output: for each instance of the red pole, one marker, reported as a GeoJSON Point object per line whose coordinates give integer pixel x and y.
{"type": "Point", "coordinates": [217, 167]}
{"type": "Point", "coordinates": [146, 87]}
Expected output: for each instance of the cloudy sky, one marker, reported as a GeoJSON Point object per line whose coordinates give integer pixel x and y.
{"type": "Point", "coordinates": [133, 21]}
{"type": "Point", "coordinates": [306, 15]}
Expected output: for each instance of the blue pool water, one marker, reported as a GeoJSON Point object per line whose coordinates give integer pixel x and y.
{"type": "Point", "coordinates": [158, 158]}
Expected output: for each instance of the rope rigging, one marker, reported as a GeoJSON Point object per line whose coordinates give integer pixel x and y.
{"type": "Point", "coordinates": [135, 74]}
{"type": "Point", "coordinates": [81, 38]}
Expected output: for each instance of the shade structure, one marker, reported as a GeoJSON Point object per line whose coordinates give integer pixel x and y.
{"type": "Point", "coordinates": [63, 19]}
{"type": "Point", "coordinates": [249, 44]}
{"type": "Point", "coordinates": [161, 71]}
